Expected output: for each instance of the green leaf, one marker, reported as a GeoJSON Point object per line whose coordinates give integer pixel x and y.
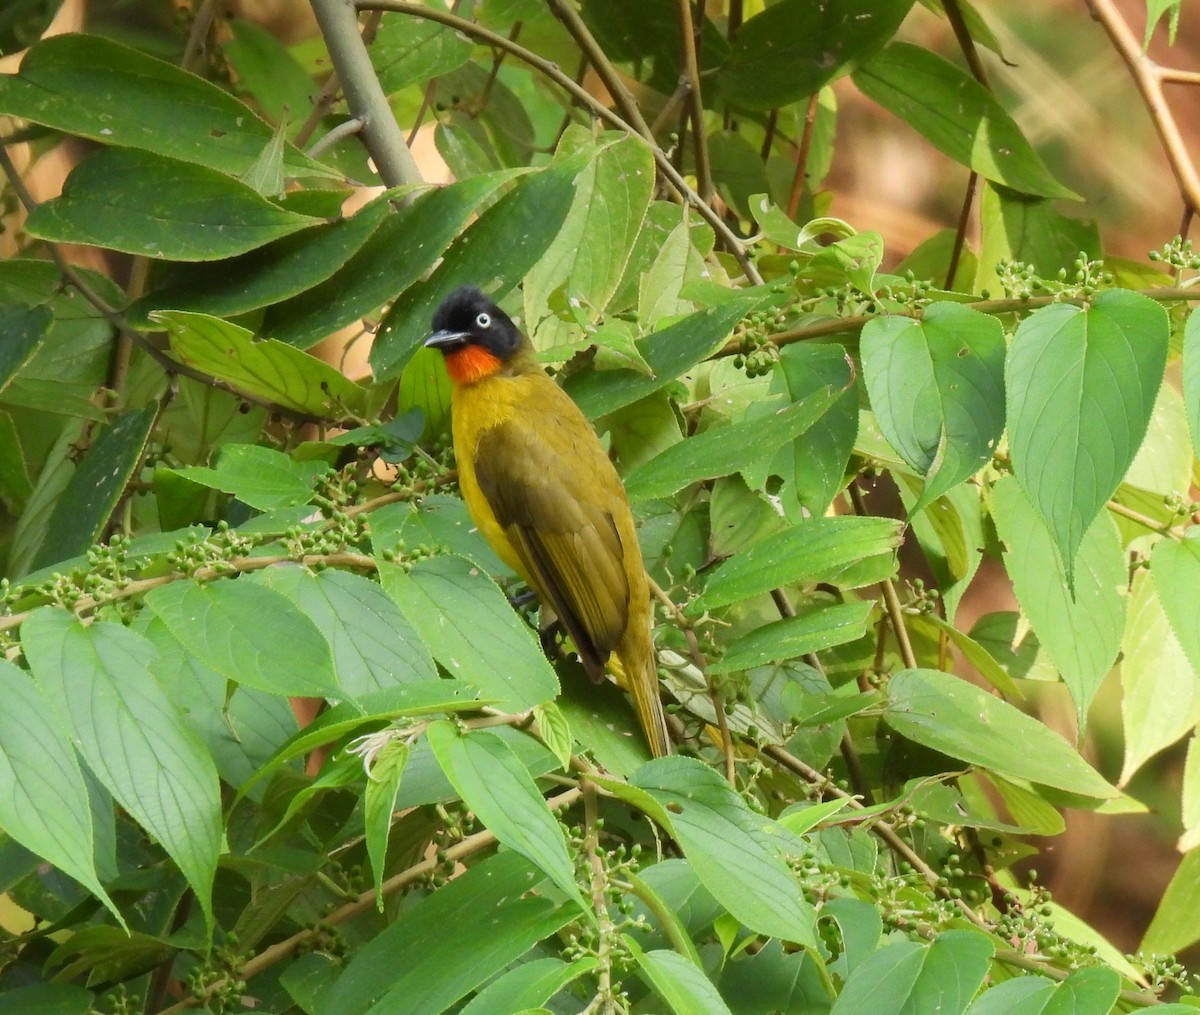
{"type": "Point", "coordinates": [817, 459]}
{"type": "Point", "coordinates": [1162, 695]}
{"type": "Point", "coordinates": [379, 801]}
{"type": "Point", "coordinates": [1191, 375]}
{"type": "Point", "coordinates": [937, 390]}
{"type": "Point", "coordinates": [555, 731]}
{"type": "Point", "coordinates": [793, 48]}
{"type": "Point", "coordinates": [495, 784]}
{"type": "Point", "coordinates": [23, 329]}
{"type": "Point", "coordinates": [1082, 632]}
{"type": "Point", "coordinates": [792, 637]}
{"type": "Point", "coordinates": [396, 255]}
{"type": "Point", "coordinates": [669, 352]}
{"type": "Point", "coordinates": [733, 851]}
{"type": "Point", "coordinates": [96, 487]}
{"type": "Point", "coordinates": [1081, 387]}
{"type": "Point", "coordinates": [497, 251]}
{"type": "Point", "coordinates": [1176, 922]}
{"type": "Point", "coordinates": [409, 51]}
{"type": "Point", "coordinates": [222, 624]}
{"type": "Point", "coordinates": [263, 478]}
{"type": "Point", "coordinates": [43, 799]}
{"type": "Point", "coordinates": [269, 371]}
{"type": "Point", "coordinates": [241, 732]}
{"type": "Point", "coordinates": [100, 680]}
{"type": "Point", "coordinates": [907, 976]}
{"type": "Point", "coordinates": [1175, 565]}
{"type": "Point", "coordinates": [48, 999]}
{"type": "Point", "coordinates": [471, 629]}
{"type": "Point", "coordinates": [965, 722]}
{"type": "Point", "coordinates": [738, 171]}
{"type": "Point", "coordinates": [957, 115]}
{"type": "Point", "coordinates": [590, 252]}
{"type": "Point", "coordinates": [721, 450]}
{"type": "Point", "coordinates": [265, 69]}
{"type": "Point", "coordinates": [1017, 227]}
{"type": "Point", "coordinates": [528, 985]}
{"type": "Point", "coordinates": [950, 535]}
{"type": "Point", "coordinates": [374, 646]}
{"type": "Point", "coordinates": [770, 978]}
{"type": "Point", "coordinates": [971, 650]}
{"type": "Point", "coordinates": [819, 549]}
{"type": "Point", "coordinates": [96, 88]}
{"type": "Point", "coordinates": [438, 970]}
{"type": "Point", "coordinates": [269, 274]}
{"type": "Point", "coordinates": [426, 697]}
{"type": "Point", "coordinates": [678, 981]}
{"type": "Point", "coordinates": [76, 400]}
{"type": "Point", "coordinates": [1086, 992]}
{"type": "Point", "coordinates": [677, 262]}
{"type": "Point", "coordinates": [130, 200]}
{"type": "Point", "coordinates": [30, 531]}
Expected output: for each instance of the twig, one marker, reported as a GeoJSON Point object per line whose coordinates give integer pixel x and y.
{"type": "Point", "coordinates": [198, 34]}
{"type": "Point", "coordinates": [332, 136]}
{"type": "Point", "coordinates": [552, 71]}
{"type": "Point", "coordinates": [365, 902]}
{"type": "Point", "coordinates": [701, 663]}
{"type": "Point", "coordinates": [238, 564]}
{"type": "Point", "coordinates": [609, 75]}
{"type": "Point", "coordinates": [960, 234]}
{"type": "Point", "coordinates": [883, 829]}
{"type": "Point", "coordinates": [891, 600]}
{"type": "Point", "coordinates": [381, 134]}
{"type": "Point", "coordinates": [591, 846]}
{"type": "Point", "coordinates": [801, 175]}
{"type": "Point", "coordinates": [1149, 78]}
{"type": "Point", "coordinates": [971, 54]}
{"type": "Point", "coordinates": [691, 71]}
{"type": "Point", "coordinates": [1017, 305]}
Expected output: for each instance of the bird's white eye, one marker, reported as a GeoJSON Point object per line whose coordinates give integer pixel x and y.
{"type": "Point", "coordinates": [484, 320]}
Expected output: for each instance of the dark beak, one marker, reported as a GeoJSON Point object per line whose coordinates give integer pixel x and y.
{"type": "Point", "coordinates": [446, 340]}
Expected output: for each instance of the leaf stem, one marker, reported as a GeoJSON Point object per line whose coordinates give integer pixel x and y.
{"type": "Point", "coordinates": [691, 72]}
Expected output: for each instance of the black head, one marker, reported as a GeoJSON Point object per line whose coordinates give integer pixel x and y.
{"type": "Point", "coordinates": [468, 317]}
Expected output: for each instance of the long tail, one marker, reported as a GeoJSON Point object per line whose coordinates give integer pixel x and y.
{"type": "Point", "coordinates": [635, 670]}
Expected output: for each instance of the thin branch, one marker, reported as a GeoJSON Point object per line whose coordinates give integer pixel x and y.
{"type": "Point", "coordinates": [551, 70]}
{"type": "Point", "coordinates": [609, 75]}
{"type": "Point", "coordinates": [198, 35]}
{"type": "Point", "coordinates": [970, 53]}
{"type": "Point", "coordinates": [854, 323]}
{"type": "Point", "coordinates": [684, 623]}
{"type": "Point", "coordinates": [966, 43]}
{"type": "Point", "coordinates": [334, 135]}
{"type": "Point", "coordinates": [801, 174]}
{"type": "Point", "coordinates": [691, 71]}
{"type": "Point", "coordinates": [891, 600]}
{"type": "Point", "coordinates": [365, 902]}
{"type": "Point", "coordinates": [1149, 78]}
{"type": "Point", "coordinates": [382, 136]}
{"type": "Point", "coordinates": [598, 888]}
{"type": "Point", "coordinates": [960, 233]}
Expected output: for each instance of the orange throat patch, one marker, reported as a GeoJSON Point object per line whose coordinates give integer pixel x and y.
{"type": "Point", "coordinates": [471, 363]}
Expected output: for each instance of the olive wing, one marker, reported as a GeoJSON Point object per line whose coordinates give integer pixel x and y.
{"type": "Point", "coordinates": [551, 488]}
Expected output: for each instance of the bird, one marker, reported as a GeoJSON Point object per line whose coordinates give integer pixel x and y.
{"type": "Point", "coordinates": [543, 492]}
